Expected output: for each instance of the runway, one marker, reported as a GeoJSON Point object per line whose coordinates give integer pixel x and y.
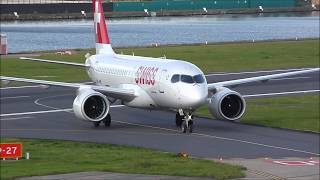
{"type": "Point", "coordinates": [34, 112]}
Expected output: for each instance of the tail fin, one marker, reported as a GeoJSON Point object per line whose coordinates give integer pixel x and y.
{"type": "Point", "coordinates": [103, 45]}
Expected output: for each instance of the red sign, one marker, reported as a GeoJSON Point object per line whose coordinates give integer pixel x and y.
{"type": "Point", "coordinates": [11, 150]}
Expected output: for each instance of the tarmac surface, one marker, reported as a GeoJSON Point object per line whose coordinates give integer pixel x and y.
{"type": "Point", "coordinates": [34, 112]}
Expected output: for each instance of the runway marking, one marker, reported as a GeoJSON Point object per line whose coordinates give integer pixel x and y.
{"type": "Point", "coordinates": [95, 131]}
{"type": "Point", "coordinates": [295, 163]}
{"type": "Point", "coordinates": [15, 97]}
{"type": "Point", "coordinates": [265, 174]}
{"type": "Point", "coordinates": [49, 111]}
{"type": "Point", "coordinates": [50, 107]}
{"type": "Point", "coordinates": [18, 118]}
{"type": "Point", "coordinates": [258, 144]}
{"type": "Point", "coordinates": [281, 93]}
{"type": "Point", "coordinates": [178, 133]}
{"type": "Point", "coordinates": [255, 72]}
{"type": "Point", "coordinates": [20, 87]}
{"type": "Point", "coordinates": [35, 112]}
{"type": "Point", "coordinates": [224, 138]}
{"type": "Point", "coordinates": [281, 79]}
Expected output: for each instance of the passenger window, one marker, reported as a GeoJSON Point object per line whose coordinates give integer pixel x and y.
{"type": "Point", "coordinates": [175, 78]}
{"type": "Point", "coordinates": [187, 79]}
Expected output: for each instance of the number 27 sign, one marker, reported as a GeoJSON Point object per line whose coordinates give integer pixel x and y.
{"type": "Point", "coordinates": [11, 150]}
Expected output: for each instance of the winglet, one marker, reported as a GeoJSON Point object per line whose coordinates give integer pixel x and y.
{"type": "Point", "coordinates": [103, 45]}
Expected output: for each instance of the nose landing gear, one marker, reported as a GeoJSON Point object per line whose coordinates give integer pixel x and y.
{"type": "Point", "coordinates": [184, 121]}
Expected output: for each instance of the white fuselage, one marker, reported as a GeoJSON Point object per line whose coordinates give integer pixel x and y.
{"type": "Point", "coordinates": [151, 78]}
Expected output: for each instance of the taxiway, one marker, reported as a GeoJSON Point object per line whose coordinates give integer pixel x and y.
{"type": "Point", "coordinates": [34, 112]}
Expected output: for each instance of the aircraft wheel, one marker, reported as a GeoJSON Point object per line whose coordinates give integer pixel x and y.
{"type": "Point", "coordinates": [107, 121]}
{"type": "Point", "coordinates": [184, 127]}
{"type": "Point", "coordinates": [178, 120]}
{"type": "Point", "coordinates": [190, 126]}
{"type": "Point", "coordinates": [96, 123]}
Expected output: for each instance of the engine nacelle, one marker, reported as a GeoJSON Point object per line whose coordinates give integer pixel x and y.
{"type": "Point", "coordinates": [90, 105]}
{"type": "Point", "coordinates": [227, 105]}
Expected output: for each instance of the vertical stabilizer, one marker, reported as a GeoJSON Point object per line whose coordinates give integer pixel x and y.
{"type": "Point", "coordinates": [103, 45]}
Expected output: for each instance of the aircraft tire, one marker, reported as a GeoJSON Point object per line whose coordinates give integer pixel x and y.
{"type": "Point", "coordinates": [96, 123]}
{"type": "Point", "coordinates": [184, 127]}
{"type": "Point", "coordinates": [178, 120]}
{"type": "Point", "coordinates": [190, 126]}
{"type": "Point", "coordinates": [107, 121]}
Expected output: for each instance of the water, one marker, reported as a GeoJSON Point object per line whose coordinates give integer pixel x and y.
{"type": "Point", "coordinates": [69, 34]}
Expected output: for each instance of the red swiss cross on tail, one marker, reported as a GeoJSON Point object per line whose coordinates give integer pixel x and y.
{"type": "Point", "coordinates": [102, 39]}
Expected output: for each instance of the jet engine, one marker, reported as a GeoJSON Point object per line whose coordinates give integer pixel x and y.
{"type": "Point", "coordinates": [90, 105]}
{"type": "Point", "coordinates": [227, 105]}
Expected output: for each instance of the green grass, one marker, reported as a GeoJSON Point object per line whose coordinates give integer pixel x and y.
{"type": "Point", "coordinates": [299, 112]}
{"type": "Point", "coordinates": [241, 56]}
{"type": "Point", "coordinates": [55, 157]}
{"type": "Point", "coordinates": [210, 58]}
{"type": "Point", "coordinates": [54, 72]}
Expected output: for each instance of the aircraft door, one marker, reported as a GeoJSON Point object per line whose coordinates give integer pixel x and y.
{"type": "Point", "coordinates": [162, 81]}
{"type": "Point", "coordinates": [168, 93]}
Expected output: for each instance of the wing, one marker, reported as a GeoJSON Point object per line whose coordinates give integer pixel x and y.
{"type": "Point", "coordinates": [236, 82]}
{"type": "Point", "coordinates": [119, 93]}
{"type": "Point", "coordinates": [54, 62]}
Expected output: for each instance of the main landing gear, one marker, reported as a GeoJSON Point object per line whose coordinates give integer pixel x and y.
{"type": "Point", "coordinates": [184, 121]}
{"type": "Point", "coordinates": [106, 121]}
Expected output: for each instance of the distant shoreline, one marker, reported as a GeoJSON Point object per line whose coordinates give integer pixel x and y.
{"type": "Point", "coordinates": [59, 16]}
{"type": "Point", "coordinates": [39, 53]}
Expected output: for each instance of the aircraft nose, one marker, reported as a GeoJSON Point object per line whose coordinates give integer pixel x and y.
{"type": "Point", "coordinates": [198, 96]}
{"type": "Point", "coordinates": [194, 97]}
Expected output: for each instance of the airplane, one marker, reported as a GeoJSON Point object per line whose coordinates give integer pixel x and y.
{"type": "Point", "coordinates": [148, 83]}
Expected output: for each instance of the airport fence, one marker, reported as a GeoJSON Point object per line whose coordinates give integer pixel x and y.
{"type": "Point", "coordinates": [43, 1]}
{"type": "Point", "coordinates": [139, 6]}
{"type": "Point", "coordinates": [159, 5]}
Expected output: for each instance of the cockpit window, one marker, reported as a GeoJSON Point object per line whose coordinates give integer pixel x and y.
{"type": "Point", "coordinates": [198, 78]}
{"type": "Point", "coordinates": [175, 78]}
{"type": "Point", "coordinates": [187, 79]}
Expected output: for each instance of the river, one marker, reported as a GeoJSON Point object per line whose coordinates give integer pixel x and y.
{"type": "Point", "coordinates": [70, 34]}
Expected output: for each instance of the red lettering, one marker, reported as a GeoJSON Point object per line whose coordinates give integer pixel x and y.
{"type": "Point", "coordinates": [146, 75]}
{"type": "Point", "coordinates": [137, 79]}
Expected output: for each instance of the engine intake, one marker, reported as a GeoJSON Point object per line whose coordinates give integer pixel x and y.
{"type": "Point", "coordinates": [227, 105]}
{"type": "Point", "coordinates": [91, 105]}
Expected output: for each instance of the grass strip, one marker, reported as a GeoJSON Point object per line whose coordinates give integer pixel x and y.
{"type": "Point", "coordinates": [300, 112]}
{"type": "Point", "coordinates": [210, 58]}
{"type": "Point", "coordinates": [56, 157]}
